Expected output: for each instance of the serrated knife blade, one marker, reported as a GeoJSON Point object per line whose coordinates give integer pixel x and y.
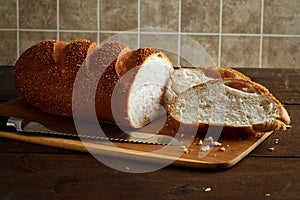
{"type": "Point", "coordinates": [27, 127]}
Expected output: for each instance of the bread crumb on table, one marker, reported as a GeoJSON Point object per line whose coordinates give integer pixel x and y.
{"type": "Point", "coordinates": [267, 195]}
{"type": "Point", "coordinates": [200, 142]}
{"type": "Point", "coordinates": [271, 148]}
{"type": "Point", "coordinates": [208, 189]}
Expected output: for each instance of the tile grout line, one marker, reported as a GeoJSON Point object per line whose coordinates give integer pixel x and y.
{"type": "Point", "coordinates": [57, 20]}
{"type": "Point", "coordinates": [139, 24]}
{"type": "Point", "coordinates": [261, 33]}
{"type": "Point", "coordinates": [179, 34]}
{"type": "Point", "coordinates": [220, 33]}
{"type": "Point", "coordinates": [149, 32]}
{"type": "Point", "coordinates": [98, 22]}
{"type": "Point", "coordinates": [18, 28]}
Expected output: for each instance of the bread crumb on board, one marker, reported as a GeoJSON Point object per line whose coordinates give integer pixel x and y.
{"type": "Point", "coordinates": [205, 148]}
{"type": "Point", "coordinates": [185, 149]}
{"type": "Point", "coordinates": [208, 144]}
{"type": "Point", "coordinates": [267, 195]}
{"type": "Point", "coordinates": [222, 149]}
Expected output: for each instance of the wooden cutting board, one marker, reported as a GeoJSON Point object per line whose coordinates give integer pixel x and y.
{"type": "Point", "coordinates": [235, 148]}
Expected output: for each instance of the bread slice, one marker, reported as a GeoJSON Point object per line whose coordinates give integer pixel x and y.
{"type": "Point", "coordinates": [232, 103]}
{"type": "Point", "coordinates": [184, 78]}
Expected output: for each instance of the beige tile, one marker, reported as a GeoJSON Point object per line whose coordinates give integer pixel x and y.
{"type": "Point", "coordinates": [200, 16]}
{"type": "Point", "coordinates": [163, 14]}
{"type": "Point", "coordinates": [282, 17]}
{"type": "Point", "coordinates": [199, 51]}
{"type": "Point", "coordinates": [70, 36]}
{"type": "Point", "coordinates": [241, 16]}
{"type": "Point", "coordinates": [161, 42]}
{"type": "Point", "coordinates": [281, 52]}
{"type": "Point", "coordinates": [240, 51]}
{"type": "Point", "coordinates": [8, 47]}
{"type": "Point", "coordinates": [165, 43]}
{"type": "Point", "coordinates": [131, 39]}
{"type": "Point", "coordinates": [8, 14]}
{"type": "Point", "coordinates": [173, 57]}
{"type": "Point", "coordinates": [27, 39]}
{"type": "Point", "coordinates": [38, 14]}
{"type": "Point", "coordinates": [118, 15]}
{"type": "Point", "coordinates": [78, 14]}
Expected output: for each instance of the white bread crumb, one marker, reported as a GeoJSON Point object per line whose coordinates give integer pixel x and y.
{"type": "Point", "coordinates": [222, 149]}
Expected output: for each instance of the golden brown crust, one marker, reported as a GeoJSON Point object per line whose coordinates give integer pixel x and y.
{"type": "Point", "coordinates": [44, 74]}
{"type": "Point", "coordinates": [27, 73]}
{"type": "Point", "coordinates": [223, 72]}
{"type": "Point", "coordinates": [133, 59]}
{"type": "Point", "coordinates": [107, 57]}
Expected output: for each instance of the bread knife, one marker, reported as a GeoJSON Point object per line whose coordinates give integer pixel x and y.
{"type": "Point", "coordinates": [33, 128]}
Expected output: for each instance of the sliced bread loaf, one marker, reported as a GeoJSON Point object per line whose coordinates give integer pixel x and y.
{"type": "Point", "coordinates": [119, 85]}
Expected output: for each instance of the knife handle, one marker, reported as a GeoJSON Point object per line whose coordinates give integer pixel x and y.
{"type": "Point", "coordinates": [3, 122]}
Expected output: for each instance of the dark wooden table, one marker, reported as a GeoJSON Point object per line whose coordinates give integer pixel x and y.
{"type": "Point", "coordinates": [29, 171]}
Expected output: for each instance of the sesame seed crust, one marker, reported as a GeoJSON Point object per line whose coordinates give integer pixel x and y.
{"type": "Point", "coordinates": [45, 75]}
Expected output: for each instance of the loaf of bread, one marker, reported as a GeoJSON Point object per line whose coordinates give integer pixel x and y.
{"type": "Point", "coordinates": [237, 105]}
{"type": "Point", "coordinates": [127, 87]}
{"type": "Point", "coordinates": [45, 75]}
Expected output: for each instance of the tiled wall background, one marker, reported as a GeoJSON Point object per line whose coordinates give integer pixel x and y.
{"type": "Point", "coordinates": [236, 33]}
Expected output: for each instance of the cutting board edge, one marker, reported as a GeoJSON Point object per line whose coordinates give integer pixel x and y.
{"type": "Point", "coordinates": [77, 145]}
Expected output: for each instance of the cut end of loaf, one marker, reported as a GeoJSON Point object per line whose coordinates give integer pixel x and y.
{"type": "Point", "coordinates": [144, 73]}
{"type": "Point", "coordinates": [147, 90]}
